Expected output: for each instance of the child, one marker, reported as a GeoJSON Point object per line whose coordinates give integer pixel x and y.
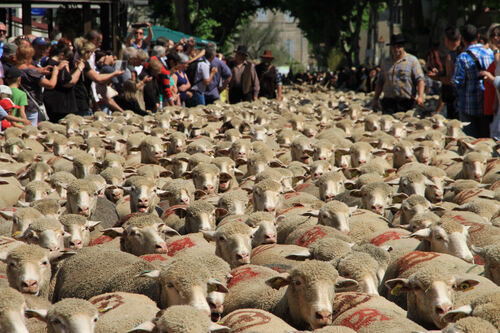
{"type": "Point", "coordinates": [8, 120]}
{"type": "Point", "coordinates": [19, 97]}
{"type": "Point", "coordinates": [5, 92]}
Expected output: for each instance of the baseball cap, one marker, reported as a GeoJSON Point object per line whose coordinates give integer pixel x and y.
{"type": "Point", "coordinates": [12, 73]}
{"type": "Point", "coordinates": [39, 41]}
{"type": "Point", "coordinates": [7, 104]}
{"type": "Point", "coordinates": [5, 90]}
{"type": "Point", "coordinates": [9, 49]}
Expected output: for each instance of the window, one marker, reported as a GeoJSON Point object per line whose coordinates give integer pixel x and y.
{"type": "Point", "coordinates": [261, 15]}
{"type": "Point", "coordinates": [290, 47]}
{"type": "Point", "coordinates": [288, 17]}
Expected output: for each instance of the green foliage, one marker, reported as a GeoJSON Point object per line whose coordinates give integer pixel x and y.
{"type": "Point", "coordinates": [204, 25]}
{"type": "Point", "coordinates": [336, 59]}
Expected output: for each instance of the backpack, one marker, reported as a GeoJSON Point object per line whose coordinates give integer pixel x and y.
{"type": "Point", "coordinates": [191, 72]}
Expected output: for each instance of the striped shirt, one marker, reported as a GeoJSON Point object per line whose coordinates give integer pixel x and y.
{"type": "Point", "coordinates": [467, 82]}
{"type": "Point", "coordinates": [399, 78]}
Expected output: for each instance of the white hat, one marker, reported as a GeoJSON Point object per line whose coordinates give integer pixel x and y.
{"type": "Point", "coordinates": [5, 90]}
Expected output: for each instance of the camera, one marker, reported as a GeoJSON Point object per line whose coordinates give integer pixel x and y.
{"type": "Point", "coordinates": [139, 25]}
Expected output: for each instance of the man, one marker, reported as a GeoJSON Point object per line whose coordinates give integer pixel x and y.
{"type": "Point", "coordinates": [220, 81]}
{"type": "Point", "coordinates": [401, 73]}
{"type": "Point", "coordinates": [244, 85]}
{"type": "Point", "coordinates": [203, 75]}
{"type": "Point", "coordinates": [3, 36]}
{"type": "Point", "coordinates": [452, 42]}
{"type": "Point", "coordinates": [136, 38]}
{"type": "Point", "coordinates": [469, 84]}
{"type": "Point", "coordinates": [40, 45]}
{"type": "Point", "coordinates": [270, 79]}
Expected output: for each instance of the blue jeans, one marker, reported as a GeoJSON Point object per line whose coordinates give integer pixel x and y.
{"type": "Point", "coordinates": [33, 117]}
{"type": "Point", "coordinates": [197, 99]}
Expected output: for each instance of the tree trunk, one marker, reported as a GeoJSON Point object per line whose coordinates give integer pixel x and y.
{"type": "Point", "coordinates": [452, 12]}
{"type": "Point", "coordinates": [375, 37]}
{"type": "Point", "coordinates": [369, 33]}
{"type": "Point", "coordinates": [182, 15]}
{"type": "Point", "coordinates": [357, 29]}
{"type": "Point", "coordinates": [391, 16]}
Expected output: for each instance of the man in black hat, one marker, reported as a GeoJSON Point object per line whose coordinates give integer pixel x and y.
{"type": "Point", "coordinates": [244, 85]}
{"type": "Point", "coordinates": [400, 77]}
{"type": "Point", "coordinates": [269, 77]}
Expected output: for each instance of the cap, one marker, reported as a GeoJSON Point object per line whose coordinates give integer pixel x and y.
{"type": "Point", "coordinates": [397, 39]}
{"type": "Point", "coordinates": [9, 49]}
{"type": "Point", "coordinates": [39, 41]}
{"type": "Point", "coordinates": [7, 104]}
{"type": "Point", "coordinates": [5, 90]}
{"type": "Point", "coordinates": [12, 73]}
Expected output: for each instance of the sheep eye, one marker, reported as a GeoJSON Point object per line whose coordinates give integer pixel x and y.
{"type": "Point", "coordinates": [12, 264]}
{"type": "Point", "coordinates": [55, 321]}
{"type": "Point", "coordinates": [45, 263]}
{"type": "Point", "coordinates": [170, 285]}
{"type": "Point", "coordinates": [221, 238]}
{"type": "Point", "coordinates": [298, 283]}
{"type": "Point", "coordinates": [95, 319]}
{"type": "Point", "coordinates": [464, 286]}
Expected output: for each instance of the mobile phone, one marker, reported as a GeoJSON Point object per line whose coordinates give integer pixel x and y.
{"type": "Point", "coordinates": [139, 25]}
{"type": "Point", "coordinates": [120, 65]}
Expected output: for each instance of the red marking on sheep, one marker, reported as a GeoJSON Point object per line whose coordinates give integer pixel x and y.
{"type": "Point", "coordinates": [179, 245]}
{"type": "Point", "coordinates": [262, 248]}
{"type": "Point", "coordinates": [385, 237]}
{"type": "Point", "coordinates": [291, 195]}
{"type": "Point", "coordinates": [3, 276]}
{"type": "Point", "coordinates": [311, 236]}
{"type": "Point", "coordinates": [153, 257]}
{"type": "Point", "coordinates": [465, 195]}
{"type": "Point", "coordinates": [414, 258]}
{"type": "Point", "coordinates": [495, 185]}
{"type": "Point", "coordinates": [474, 227]}
{"type": "Point", "coordinates": [302, 187]}
{"type": "Point", "coordinates": [346, 301]}
{"type": "Point", "coordinates": [478, 260]}
{"type": "Point", "coordinates": [101, 240]}
{"type": "Point", "coordinates": [107, 303]}
{"type": "Point", "coordinates": [363, 318]}
{"type": "Point", "coordinates": [491, 165]}
{"type": "Point", "coordinates": [241, 274]}
{"type": "Point", "coordinates": [358, 212]}
{"type": "Point", "coordinates": [243, 320]}
{"type": "Point", "coordinates": [5, 240]}
{"type": "Point", "coordinates": [459, 218]}
{"type": "Point", "coordinates": [12, 209]}
{"type": "Point", "coordinates": [172, 210]}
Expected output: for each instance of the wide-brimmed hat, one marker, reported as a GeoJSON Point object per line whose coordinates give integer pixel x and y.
{"type": "Point", "coordinates": [397, 39]}
{"type": "Point", "coordinates": [267, 55]}
{"type": "Point", "coordinates": [242, 49]}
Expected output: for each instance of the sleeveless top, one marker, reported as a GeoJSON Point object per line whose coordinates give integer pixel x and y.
{"type": "Point", "coordinates": [180, 81]}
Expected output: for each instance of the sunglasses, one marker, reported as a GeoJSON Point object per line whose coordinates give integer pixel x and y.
{"type": "Point", "coordinates": [3, 31]}
{"type": "Point", "coordinates": [139, 33]}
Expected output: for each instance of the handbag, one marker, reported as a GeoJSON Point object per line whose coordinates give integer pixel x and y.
{"type": "Point", "coordinates": [42, 112]}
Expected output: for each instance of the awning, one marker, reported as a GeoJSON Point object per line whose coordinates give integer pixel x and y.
{"type": "Point", "coordinates": [160, 31]}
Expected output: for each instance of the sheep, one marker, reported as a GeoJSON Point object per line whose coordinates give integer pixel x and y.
{"type": "Point", "coordinates": [82, 197]}
{"type": "Point", "coordinates": [266, 196]}
{"type": "Point", "coordinates": [421, 221]}
{"type": "Point", "coordinates": [96, 270]}
{"type": "Point", "coordinates": [185, 281]}
{"type": "Point", "coordinates": [470, 325]}
{"type": "Point", "coordinates": [491, 261]}
{"type": "Point", "coordinates": [307, 235]}
{"type": "Point", "coordinates": [46, 232]}
{"type": "Point", "coordinates": [279, 257]}
{"type": "Point", "coordinates": [336, 214]}
{"type": "Point", "coordinates": [414, 182]}
{"type": "Point", "coordinates": [301, 149]}
{"type": "Point", "coordinates": [200, 216]}
{"type": "Point", "coordinates": [483, 207]}
{"type": "Point", "coordinates": [68, 315]}
{"type": "Point", "coordinates": [121, 311]}
{"type": "Point", "coordinates": [206, 177]}
{"type": "Point", "coordinates": [12, 309]}
{"type": "Point", "coordinates": [234, 202]}
{"type": "Point", "coordinates": [60, 181]}
{"type": "Point", "coordinates": [473, 167]}
{"type": "Point", "coordinates": [330, 184]}
{"type": "Point", "coordinates": [240, 151]}
{"type": "Point", "coordinates": [361, 267]}
{"type": "Point", "coordinates": [446, 237]}
{"type": "Point", "coordinates": [484, 307]}
{"type": "Point", "coordinates": [375, 197]}
{"type": "Point", "coordinates": [37, 190]}
{"type": "Point", "coordinates": [143, 198]}
{"type": "Point", "coordinates": [83, 165]}
{"type": "Point", "coordinates": [39, 171]}
{"type": "Point", "coordinates": [179, 192]}
{"type": "Point", "coordinates": [78, 228]}
{"type": "Point", "coordinates": [22, 218]}
{"type": "Point", "coordinates": [180, 319]}
{"type": "Point", "coordinates": [176, 143]}
{"type": "Point", "coordinates": [151, 149]}
{"type": "Point", "coordinates": [237, 322]}
{"type": "Point", "coordinates": [233, 242]}
{"type": "Point", "coordinates": [266, 232]}
{"type": "Point", "coordinates": [142, 234]}
{"type": "Point", "coordinates": [179, 164]}
{"type": "Point", "coordinates": [413, 205]}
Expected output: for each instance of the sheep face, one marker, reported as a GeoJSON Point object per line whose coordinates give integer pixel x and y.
{"type": "Point", "coordinates": [413, 185]}
{"type": "Point", "coordinates": [37, 190]}
{"type": "Point", "coordinates": [200, 220]}
{"type": "Point", "coordinates": [84, 168]}
{"type": "Point", "coordinates": [424, 154]}
{"type": "Point", "coordinates": [435, 190]}
{"type": "Point", "coordinates": [403, 153]}
{"type": "Point", "coordinates": [82, 203]}
{"type": "Point", "coordinates": [329, 187]}
{"type": "Point", "coordinates": [473, 169]}
{"type": "Point", "coordinates": [179, 166]}
{"type": "Point", "coordinates": [79, 235]}
{"type": "Point", "coordinates": [29, 273]}
{"type": "Point", "coordinates": [207, 181]}
{"type": "Point", "coordinates": [360, 154]}
{"type": "Point", "coordinates": [233, 243]}
{"type": "Point", "coordinates": [40, 171]}
{"type": "Point", "coordinates": [48, 239]}
{"type": "Point", "coordinates": [323, 152]}
{"type": "Point", "coordinates": [266, 200]}
{"type": "Point", "coordinates": [265, 234]}
{"type": "Point", "coordinates": [142, 197]}
{"type": "Point", "coordinates": [301, 150]}
{"type": "Point", "coordinates": [255, 165]}
{"type": "Point", "coordinates": [335, 218]}
{"type": "Point", "coordinates": [151, 152]}
{"type": "Point", "coordinates": [12, 313]}
{"type": "Point", "coordinates": [376, 197]}
{"type": "Point", "coordinates": [145, 240]}
{"type": "Point", "coordinates": [319, 168]}
{"type": "Point", "coordinates": [176, 144]}
{"type": "Point", "coordinates": [239, 151]}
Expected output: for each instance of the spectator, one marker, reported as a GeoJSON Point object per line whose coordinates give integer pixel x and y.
{"type": "Point", "coordinates": [400, 74]}
{"type": "Point", "coordinates": [160, 52]}
{"type": "Point", "coordinates": [3, 37]}
{"type": "Point", "coordinates": [244, 85]}
{"type": "Point", "coordinates": [19, 97]}
{"type": "Point", "coordinates": [61, 100]}
{"type": "Point", "coordinates": [151, 90]}
{"type": "Point", "coordinates": [469, 84]}
{"type": "Point", "coordinates": [181, 79]}
{"type": "Point", "coordinates": [41, 47]}
{"type": "Point", "coordinates": [131, 59]}
{"type": "Point", "coordinates": [269, 77]}
{"type": "Point", "coordinates": [127, 100]}
{"type": "Point", "coordinates": [221, 78]}
{"type": "Point", "coordinates": [9, 56]}
{"type": "Point", "coordinates": [6, 117]}
{"type": "Point", "coordinates": [33, 80]}
{"type": "Point", "coordinates": [490, 93]}
{"type": "Point", "coordinates": [164, 82]}
{"type": "Point", "coordinates": [370, 82]}
{"type": "Point", "coordinates": [136, 38]}
{"type": "Point", "coordinates": [202, 77]}
{"type": "Point", "coordinates": [172, 62]}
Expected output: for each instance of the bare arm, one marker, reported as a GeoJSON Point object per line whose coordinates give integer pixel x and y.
{"type": "Point", "coordinates": [75, 76]}
{"type": "Point", "coordinates": [50, 84]}
{"type": "Point", "coordinates": [149, 38]}
{"type": "Point", "coordinates": [113, 105]}
{"type": "Point", "coordinates": [102, 78]}
{"type": "Point", "coordinates": [200, 54]}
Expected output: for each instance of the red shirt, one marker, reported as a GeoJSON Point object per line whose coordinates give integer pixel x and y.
{"type": "Point", "coordinates": [164, 80]}
{"type": "Point", "coordinates": [489, 92]}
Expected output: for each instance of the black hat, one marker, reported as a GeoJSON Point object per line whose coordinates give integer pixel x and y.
{"type": "Point", "coordinates": [12, 73]}
{"type": "Point", "coordinates": [397, 39]}
{"type": "Point", "coordinates": [242, 49]}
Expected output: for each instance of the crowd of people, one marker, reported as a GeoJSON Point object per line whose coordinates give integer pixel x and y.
{"type": "Point", "coordinates": [47, 79]}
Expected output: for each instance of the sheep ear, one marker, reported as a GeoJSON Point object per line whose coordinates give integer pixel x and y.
{"type": "Point", "coordinates": [313, 213]}
{"type": "Point", "coordinates": [463, 207]}
{"type": "Point", "coordinates": [421, 234]}
{"type": "Point", "coordinates": [161, 193]}
{"type": "Point", "coordinates": [167, 230]}
{"type": "Point", "coordinates": [23, 203]}
{"type": "Point", "coordinates": [352, 210]}
{"type": "Point", "coordinates": [343, 284]}
{"type": "Point", "coordinates": [480, 251]}
{"type": "Point", "coordinates": [458, 159]}
{"type": "Point", "coordinates": [238, 171]}
{"type": "Point", "coordinates": [37, 313]}
{"type": "Point", "coordinates": [220, 213]}
{"type": "Point", "coordinates": [216, 328]}
{"type": "Point", "coordinates": [397, 286]}
{"type": "Point", "coordinates": [199, 194]}
{"type": "Point", "coordinates": [187, 175]}
{"type": "Point", "coordinates": [8, 214]}
{"type": "Point", "coordinates": [154, 274]}
{"type": "Point", "coordinates": [216, 285]}
{"type": "Point", "coordinates": [399, 197]}
{"type": "Point", "coordinates": [92, 224]}
{"type": "Point", "coordinates": [59, 255]}
{"type": "Point", "coordinates": [356, 193]}
{"type": "Point", "coordinates": [457, 314]}
{"type": "Point", "coordinates": [113, 232]}
{"type": "Point", "coordinates": [279, 281]}
{"type": "Point", "coordinates": [3, 256]}
{"type": "Point", "coordinates": [300, 255]}
{"type": "Point", "coordinates": [147, 326]}
{"type": "Point", "coordinates": [209, 234]}
{"type": "Point", "coordinates": [394, 181]}
{"type": "Point", "coordinates": [436, 208]}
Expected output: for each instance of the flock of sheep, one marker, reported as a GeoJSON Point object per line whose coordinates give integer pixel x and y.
{"type": "Point", "coordinates": [313, 213]}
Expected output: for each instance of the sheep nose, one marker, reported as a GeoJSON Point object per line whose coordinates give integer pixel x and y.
{"type": "Point", "coordinates": [54, 248]}
{"type": "Point", "coordinates": [324, 316]}
{"type": "Point", "coordinates": [216, 307]}
{"type": "Point", "coordinates": [29, 283]}
{"type": "Point", "coordinates": [362, 162]}
{"type": "Point", "coordinates": [75, 243]}
{"type": "Point", "coordinates": [318, 174]}
{"type": "Point", "coordinates": [83, 209]}
{"type": "Point", "coordinates": [269, 209]}
{"type": "Point", "coordinates": [329, 197]}
{"type": "Point", "coordinates": [442, 309]}
{"type": "Point", "coordinates": [161, 247]}
{"type": "Point", "coordinates": [270, 238]}
{"type": "Point", "coordinates": [242, 256]}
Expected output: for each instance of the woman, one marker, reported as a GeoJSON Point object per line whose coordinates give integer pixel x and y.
{"type": "Point", "coordinates": [172, 62]}
{"type": "Point", "coordinates": [492, 83]}
{"type": "Point", "coordinates": [33, 81]}
{"type": "Point", "coordinates": [61, 100]}
{"type": "Point", "coordinates": [127, 100]}
{"type": "Point", "coordinates": [83, 90]}
{"type": "Point", "coordinates": [180, 78]}
{"type": "Point", "coordinates": [151, 90]}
